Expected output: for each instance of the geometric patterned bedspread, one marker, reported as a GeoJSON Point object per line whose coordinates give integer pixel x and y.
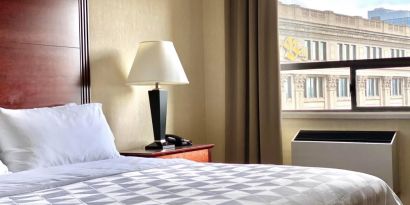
{"type": "Point", "coordinates": [200, 183]}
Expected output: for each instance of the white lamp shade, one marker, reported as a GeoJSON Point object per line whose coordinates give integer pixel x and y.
{"type": "Point", "coordinates": [157, 62]}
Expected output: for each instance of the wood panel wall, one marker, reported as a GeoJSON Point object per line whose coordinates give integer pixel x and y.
{"type": "Point", "coordinates": [43, 53]}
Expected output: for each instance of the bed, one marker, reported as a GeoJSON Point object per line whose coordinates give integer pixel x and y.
{"type": "Point", "coordinates": [44, 62]}
{"type": "Point", "coordinates": [67, 155]}
{"type": "Point", "coordinates": [133, 180]}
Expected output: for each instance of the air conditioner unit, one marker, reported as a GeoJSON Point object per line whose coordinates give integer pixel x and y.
{"type": "Point", "coordinates": [371, 152]}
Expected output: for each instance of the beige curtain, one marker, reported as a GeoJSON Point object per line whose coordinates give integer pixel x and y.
{"type": "Point", "coordinates": [253, 80]}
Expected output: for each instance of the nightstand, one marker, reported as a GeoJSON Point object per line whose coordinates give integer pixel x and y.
{"type": "Point", "coordinates": [198, 153]}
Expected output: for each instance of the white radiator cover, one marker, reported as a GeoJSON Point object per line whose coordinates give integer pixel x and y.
{"type": "Point", "coordinates": [377, 159]}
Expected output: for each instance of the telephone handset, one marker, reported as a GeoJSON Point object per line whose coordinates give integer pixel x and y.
{"type": "Point", "coordinates": [177, 140]}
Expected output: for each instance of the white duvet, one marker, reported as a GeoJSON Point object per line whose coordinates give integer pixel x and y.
{"type": "Point", "coordinates": [157, 181]}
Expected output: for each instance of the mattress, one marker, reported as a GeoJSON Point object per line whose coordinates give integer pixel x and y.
{"type": "Point", "coordinates": [133, 180]}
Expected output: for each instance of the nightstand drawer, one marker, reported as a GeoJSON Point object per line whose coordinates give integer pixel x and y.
{"type": "Point", "coordinates": [198, 153]}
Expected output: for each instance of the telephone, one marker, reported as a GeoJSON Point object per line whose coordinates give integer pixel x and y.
{"type": "Point", "coordinates": [177, 140]}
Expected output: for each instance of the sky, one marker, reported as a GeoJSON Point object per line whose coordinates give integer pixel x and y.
{"type": "Point", "coordinates": [351, 7]}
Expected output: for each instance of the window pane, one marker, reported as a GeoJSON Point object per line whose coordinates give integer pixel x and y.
{"type": "Point", "coordinates": [289, 87]}
{"type": "Point", "coordinates": [383, 87]}
{"type": "Point", "coordinates": [343, 87]}
{"type": "Point", "coordinates": [307, 48]}
{"type": "Point", "coordinates": [368, 56]}
{"type": "Point", "coordinates": [346, 52]}
{"type": "Point", "coordinates": [316, 89]}
{"type": "Point", "coordinates": [315, 50]}
{"type": "Point", "coordinates": [323, 53]}
{"type": "Point", "coordinates": [353, 52]}
{"type": "Point", "coordinates": [396, 84]}
{"type": "Point", "coordinates": [319, 83]}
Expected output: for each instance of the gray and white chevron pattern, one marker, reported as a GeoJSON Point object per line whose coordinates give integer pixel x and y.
{"type": "Point", "coordinates": [198, 183]}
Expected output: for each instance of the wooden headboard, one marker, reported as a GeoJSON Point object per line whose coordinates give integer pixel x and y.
{"type": "Point", "coordinates": [43, 53]}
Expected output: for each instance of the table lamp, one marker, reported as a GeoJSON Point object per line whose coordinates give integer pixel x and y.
{"type": "Point", "coordinates": [157, 63]}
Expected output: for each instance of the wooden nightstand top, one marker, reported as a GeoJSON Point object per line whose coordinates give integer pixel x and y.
{"type": "Point", "coordinates": [159, 153]}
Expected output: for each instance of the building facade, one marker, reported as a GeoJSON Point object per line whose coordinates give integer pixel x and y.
{"type": "Point", "coordinates": [308, 35]}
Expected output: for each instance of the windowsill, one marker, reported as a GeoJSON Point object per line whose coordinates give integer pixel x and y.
{"type": "Point", "coordinates": [372, 97]}
{"type": "Point", "coordinates": [309, 100]}
{"type": "Point", "coordinates": [347, 115]}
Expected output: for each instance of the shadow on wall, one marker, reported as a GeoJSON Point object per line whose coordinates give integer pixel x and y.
{"type": "Point", "coordinates": [108, 82]}
{"type": "Point", "coordinates": [187, 114]}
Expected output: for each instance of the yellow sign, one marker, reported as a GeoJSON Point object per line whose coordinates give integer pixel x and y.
{"type": "Point", "coordinates": [293, 49]}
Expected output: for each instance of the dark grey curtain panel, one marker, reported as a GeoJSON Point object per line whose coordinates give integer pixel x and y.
{"type": "Point", "coordinates": [253, 82]}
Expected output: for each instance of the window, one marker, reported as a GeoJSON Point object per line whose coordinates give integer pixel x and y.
{"type": "Point", "coordinates": [374, 52]}
{"type": "Point", "coordinates": [354, 56]}
{"type": "Point", "coordinates": [322, 51]}
{"type": "Point", "coordinates": [308, 48]}
{"type": "Point", "coordinates": [288, 87]}
{"type": "Point", "coordinates": [395, 87]}
{"type": "Point", "coordinates": [372, 87]}
{"type": "Point", "coordinates": [397, 53]}
{"type": "Point", "coordinates": [315, 50]}
{"type": "Point", "coordinates": [368, 56]}
{"type": "Point", "coordinates": [314, 87]}
{"type": "Point", "coordinates": [347, 52]}
{"type": "Point", "coordinates": [343, 87]}
{"type": "Point", "coordinates": [350, 70]}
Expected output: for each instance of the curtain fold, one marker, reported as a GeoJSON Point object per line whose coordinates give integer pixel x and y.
{"type": "Point", "coordinates": [253, 80]}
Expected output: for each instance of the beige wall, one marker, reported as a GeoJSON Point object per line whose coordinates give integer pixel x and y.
{"type": "Point", "coordinates": [214, 66]}
{"type": "Point", "coordinates": [291, 126]}
{"type": "Point", "coordinates": [115, 29]}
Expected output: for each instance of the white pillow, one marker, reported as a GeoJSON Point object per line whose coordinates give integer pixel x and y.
{"type": "Point", "coordinates": [3, 169]}
{"type": "Point", "coordinates": [44, 137]}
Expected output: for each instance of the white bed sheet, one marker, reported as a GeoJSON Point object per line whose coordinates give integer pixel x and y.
{"type": "Point", "coordinates": [44, 178]}
{"type": "Point", "coordinates": [133, 180]}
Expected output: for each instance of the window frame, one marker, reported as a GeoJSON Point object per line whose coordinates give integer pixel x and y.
{"type": "Point", "coordinates": [353, 65]}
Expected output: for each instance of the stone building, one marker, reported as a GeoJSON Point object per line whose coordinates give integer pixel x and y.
{"type": "Point", "coordinates": [308, 35]}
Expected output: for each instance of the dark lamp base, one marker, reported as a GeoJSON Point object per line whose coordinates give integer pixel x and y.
{"type": "Point", "coordinates": [159, 146]}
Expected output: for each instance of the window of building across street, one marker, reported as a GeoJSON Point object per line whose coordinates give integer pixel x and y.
{"type": "Point", "coordinates": [314, 87]}
{"type": "Point", "coordinates": [372, 87]}
{"type": "Point", "coordinates": [396, 87]}
{"type": "Point", "coordinates": [342, 87]}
